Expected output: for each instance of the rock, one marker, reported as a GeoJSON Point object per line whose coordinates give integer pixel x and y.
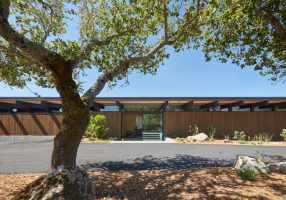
{"type": "Point", "coordinates": [227, 141]}
{"type": "Point", "coordinates": [279, 167]}
{"type": "Point", "coordinates": [199, 137]}
{"type": "Point", "coordinates": [60, 184]}
{"type": "Point", "coordinates": [243, 162]}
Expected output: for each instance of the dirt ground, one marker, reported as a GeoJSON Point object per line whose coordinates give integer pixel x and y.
{"type": "Point", "coordinates": [206, 183]}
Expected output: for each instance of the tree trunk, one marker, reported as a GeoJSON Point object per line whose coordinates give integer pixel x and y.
{"type": "Point", "coordinates": [75, 121]}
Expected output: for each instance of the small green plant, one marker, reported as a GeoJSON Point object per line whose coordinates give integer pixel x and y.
{"type": "Point", "coordinates": [283, 135]}
{"type": "Point", "coordinates": [262, 137]}
{"type": "Point", "coordinates": [193, 129]}
{"type": "Point", "coordinates": [260, 158]}
{"type": "Point", "coordinates": [97, 128]}
{"type": "Point", "coordinates": [247, 174]}
{"type": "Point", "coordinates": [240, 136]}
{"type": "Point", "coordinates": [211, 132]}
{"type": "Point", "coordinates": [180, 139]}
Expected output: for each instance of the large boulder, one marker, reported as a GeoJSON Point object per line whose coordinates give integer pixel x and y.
{"type": "Point", "coordinates": [199, 137]}
{"type": "Point", "coordinates": [279, 167]}
{"type": "Point", "coordinates": [60, 184]}
{"type": "Point", "coordinates": [243, 162]}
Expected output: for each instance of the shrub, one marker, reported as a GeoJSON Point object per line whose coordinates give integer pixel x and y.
{"type": "Point", "coordinates": [211, 132]}
{"type": "Point", "coordinates": [262, 137]}
{"type": "Point", "coordinates": [283, 135]}
{"type": "Point", "coordinates": [97, 128]}
{"type": "Point", "coordinates": [239, 135]}
{"type": "Point", "coordinates": [193, 129]}
{"type": "Point", "coordinates": [183, 140]}
{"type": "Point", "coordinates": [247, 174]}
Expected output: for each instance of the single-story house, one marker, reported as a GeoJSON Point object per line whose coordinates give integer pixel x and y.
{"type": "Point", "coordinates": [131, 116]}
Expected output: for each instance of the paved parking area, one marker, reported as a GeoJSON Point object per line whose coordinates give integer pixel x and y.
{"type": "Point", "coordinates": [35, 156]}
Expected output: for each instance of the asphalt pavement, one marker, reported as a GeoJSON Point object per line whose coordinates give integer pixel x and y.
{"type": "Point", "coordinates": [31, 157]}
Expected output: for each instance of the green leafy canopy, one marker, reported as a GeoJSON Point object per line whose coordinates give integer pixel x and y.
{"type": "Point", "coordinates": [249, 33]}
{"type": "Point", "coordinates": [97, 34]}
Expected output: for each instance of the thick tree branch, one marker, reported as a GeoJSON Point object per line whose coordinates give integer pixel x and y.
{"type": "Point", "coordinates": [122, 68]}
{"type": "Point", "coordinates": [86, 51]}
{"type": "Point", "coordinates": [268, 17]}
{"type": "Point", "coordinates": [5, 8]}
{"type": "Point", "coordinates": [50, 60]}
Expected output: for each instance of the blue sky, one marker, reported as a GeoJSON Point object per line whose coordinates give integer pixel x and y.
{"type": "Point", "coordinates": [184, 74]}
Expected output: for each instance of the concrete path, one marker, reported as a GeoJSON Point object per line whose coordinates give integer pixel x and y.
{"type": "Point", "coordinates": [35, 156]}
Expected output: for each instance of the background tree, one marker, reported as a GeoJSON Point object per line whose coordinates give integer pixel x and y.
{"type": "Point", "coordinates": [116, 37]}
{"type": "Point", "coordinates": [249, 33]}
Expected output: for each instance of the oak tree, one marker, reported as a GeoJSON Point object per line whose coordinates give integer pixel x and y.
{"type": "Point", "coordinates": [248, 33]}
{"type": "Point", "coordinates": [116, 37]}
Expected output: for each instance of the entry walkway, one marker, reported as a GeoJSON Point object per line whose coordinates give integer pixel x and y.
{"type": "Point", "coordinates": [35, 157]}
{"type": "Point", "coordinates": [140, 140]}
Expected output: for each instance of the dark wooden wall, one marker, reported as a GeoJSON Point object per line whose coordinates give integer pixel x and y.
{"type": "Point", "coordinates": [47, 123]}
{"type": "Point", "coordinates": [226, 122]}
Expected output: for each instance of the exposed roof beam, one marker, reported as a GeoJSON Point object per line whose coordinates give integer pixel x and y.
{"type": "Point", "coordinates": [50, 104]}
{"type": "Point", "coordinates": [280, 104]}
{"type": "Point", "coordinates": [257, 104]}
{"type": "Point", "coordinates": [97, 105]}
{"type": "Point", "coordinates": [163, 106]}
{"type": "Point", "coordinates": [211, 104]}
{"type": "Point", "coordinates": [6, 104]}
{"type": "Point", "coordinates": [230, 105]}
{"type": "Point", "coordinates": [120, 105]}
{"type": "Point", "coordinates": [190, 103]}
{"type": "Point", "coordinates": [30, 105]}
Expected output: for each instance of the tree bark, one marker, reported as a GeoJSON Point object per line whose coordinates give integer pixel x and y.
{"type": "Point", "coordinates": [75, 121]}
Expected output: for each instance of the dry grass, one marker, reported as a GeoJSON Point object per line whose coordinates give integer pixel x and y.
{"type": "Point", "coordinates": [207, 183]}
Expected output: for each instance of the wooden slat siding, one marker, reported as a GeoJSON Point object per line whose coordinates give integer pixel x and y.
{"type": "Point", "coordinates": [226, 122]}
{"type": "Point", "coordinates": [48, 124]}
{"type": "Point", "coordinates": [128, 122]}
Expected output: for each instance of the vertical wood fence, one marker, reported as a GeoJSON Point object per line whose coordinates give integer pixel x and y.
{"type": "Point", "coordinates": [226, 122]}
{"type": "Point", "coordinates": [48, 123]}
{"type": "Point", "coordinates": [178, 122]}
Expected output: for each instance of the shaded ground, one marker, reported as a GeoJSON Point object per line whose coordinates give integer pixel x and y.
{"type": "Point", "coordinates": [151, 162]}
{"type": "Point", "coordinates": [207, 183]}
{"type": "Point", "coordinates": [35, 157]}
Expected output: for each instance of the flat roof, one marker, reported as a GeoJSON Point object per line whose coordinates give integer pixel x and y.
{"type": "Point", "coordinates": [224, 102]}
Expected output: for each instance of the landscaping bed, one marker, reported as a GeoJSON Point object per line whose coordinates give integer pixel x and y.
{"type": "Point", "coordinates": [204, 183]}
{"type": "Point", "coordinates": [87, 140]}
{"type": "Point", "coordinates": [234, 142]}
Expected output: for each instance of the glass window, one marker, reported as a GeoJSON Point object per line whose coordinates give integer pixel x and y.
{"type": "Point", "coordinates": [141, 108]}
{"type": "Point", "coordinates": [152, 122]}
{"type": "Point", "coordinates": [109, 109]}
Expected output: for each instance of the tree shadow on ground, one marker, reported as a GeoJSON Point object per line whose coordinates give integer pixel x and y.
{"type": "Point", "coordinates": [150, 162]}
{"type": "Point", "coordinates": [181, 177]}
{"type": "Point", "coordinates": [274, 158]}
